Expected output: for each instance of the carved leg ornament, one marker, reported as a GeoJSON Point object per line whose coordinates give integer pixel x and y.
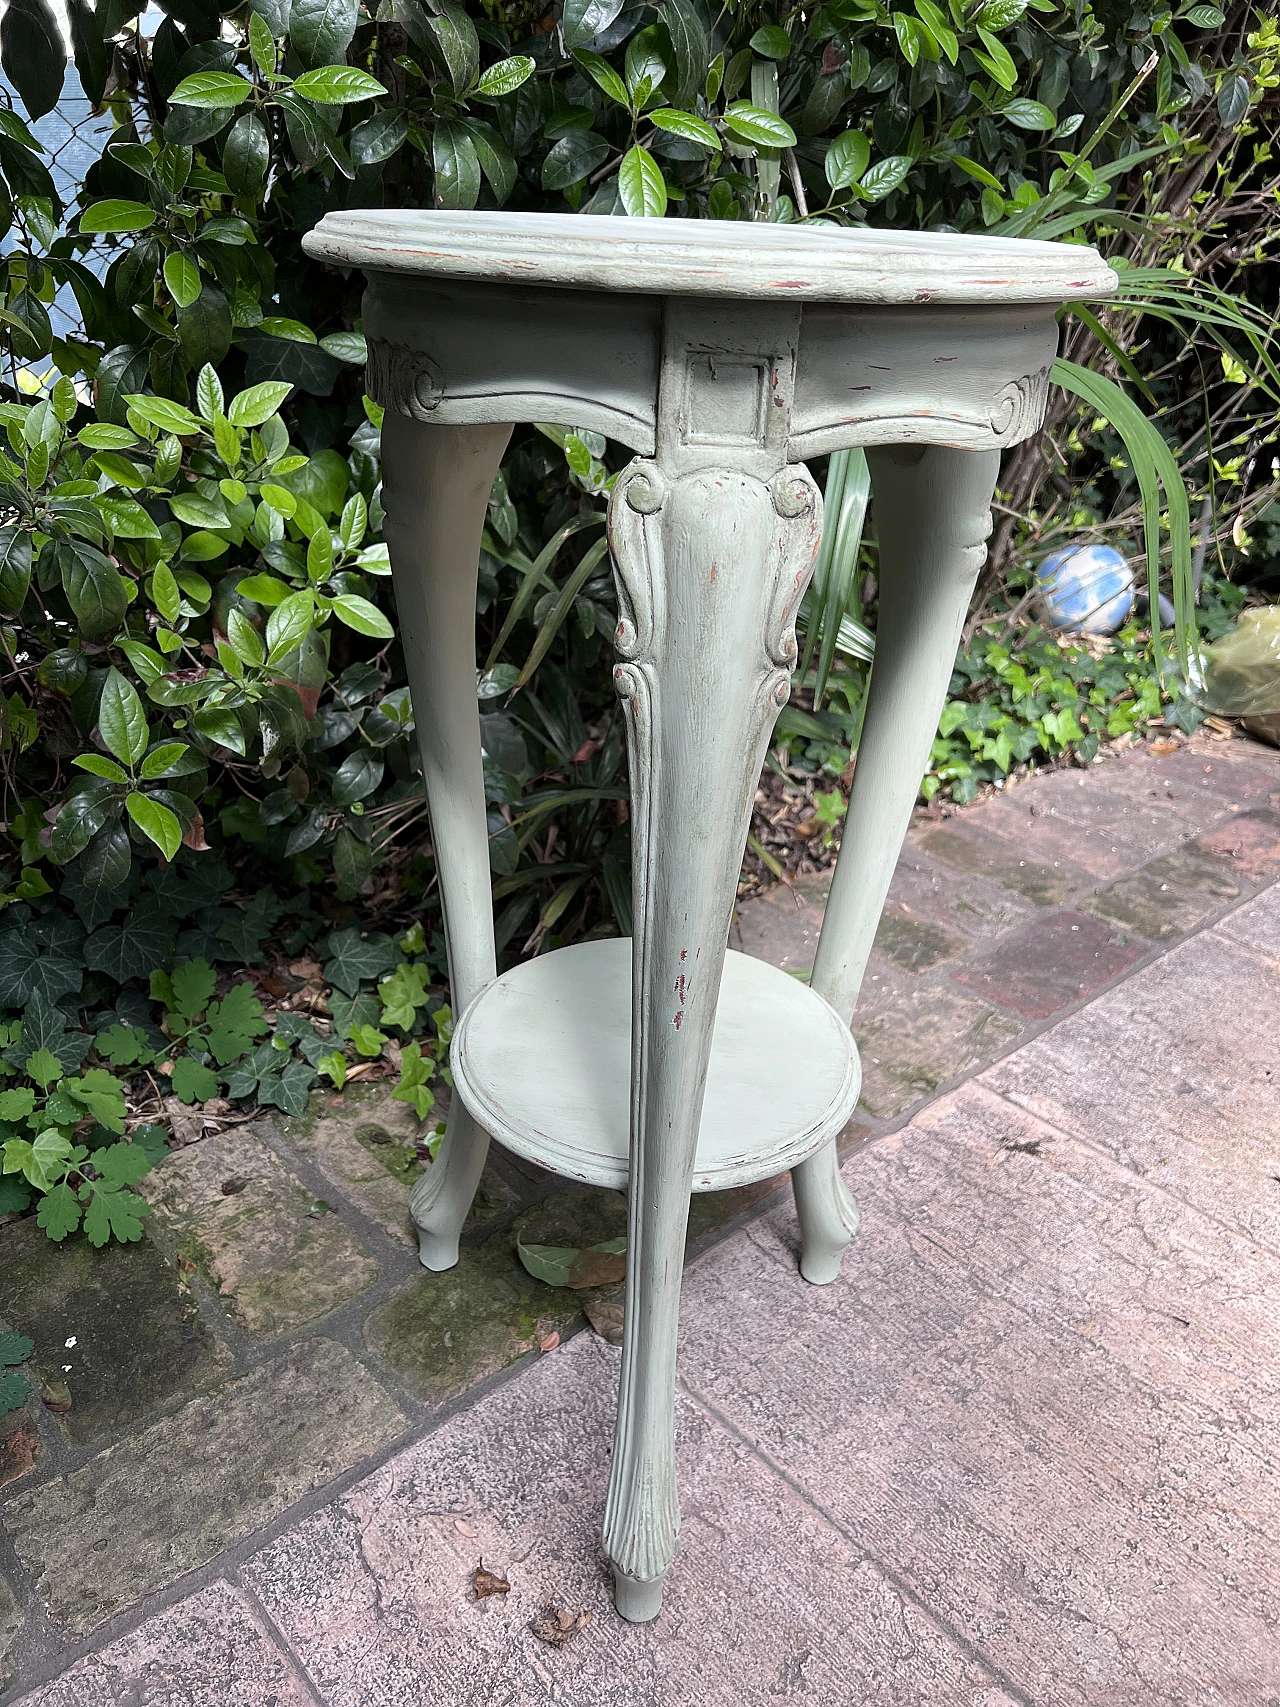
{"type": "Point", "coordinates": [711, 561]}
{"type": "Point", "coordinates": [933, 516]}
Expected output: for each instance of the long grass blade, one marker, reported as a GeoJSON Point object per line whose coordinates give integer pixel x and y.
{"type": "Point", "coordinates": [534, 575]}
{"type": "Point", "coordinates": [1154, 465]}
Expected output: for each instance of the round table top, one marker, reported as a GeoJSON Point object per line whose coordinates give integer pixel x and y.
{"type": "Point", "coordinates": [711, 258]}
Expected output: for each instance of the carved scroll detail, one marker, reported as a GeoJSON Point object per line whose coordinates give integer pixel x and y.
{"type": "Point", "coordinates": [404, 380]}
{"type": "Point", "coordinates": [1018, 410]}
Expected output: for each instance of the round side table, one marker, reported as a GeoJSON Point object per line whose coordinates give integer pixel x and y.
{"type": "Point", "coordinates": [723, 355]}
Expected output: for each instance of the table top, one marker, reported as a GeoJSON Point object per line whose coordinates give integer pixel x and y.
{"type": "Point", "coordinates": [711, 258]}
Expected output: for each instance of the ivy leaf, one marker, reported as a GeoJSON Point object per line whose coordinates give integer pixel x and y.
{"type": "Point", "coordinates": [289, 1092]}
{"type": "Point", "coordinates": [351, 957]}
{"type": "Point", "coordinates": [41, 1160]}
{"type": "Point", "coordinates": [59, 1212]}
{"type": "Point", "coordinates": [130, 950]}
{"type": "Point", "coordinates": [193, 1082]}
{"type": "Point", "coordinates": [641, 185]}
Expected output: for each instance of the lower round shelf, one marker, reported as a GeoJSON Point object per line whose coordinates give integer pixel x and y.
{"type": "Point", "coordinates": [542, 1059]}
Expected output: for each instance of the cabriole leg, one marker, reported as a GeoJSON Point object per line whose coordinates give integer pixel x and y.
{"type": "Point", "coordinates": [436, 484]}
{"type": "Point", "coordinates": [710, 564]}
{"type": "Point", "coordinates": [933, 515]}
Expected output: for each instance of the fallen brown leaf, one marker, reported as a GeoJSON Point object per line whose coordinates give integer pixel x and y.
{"type": "Point", "coordinates": [56, 1396]}
{"type": "Point", "coordinates": [549, 1342]}
{"type": "Point", "coordinates": [1162, 748]}
{"type": "Point", "coordinates": [486, 1583]}
{"type": "Point", "coordinates": [606, 1319]}
{"type": "Point", "coordinates": [554, 1626]}
{"type": "Point", "coordinates": [597, 1268]}
{"type": "Point", "coordinates": [309, 970]}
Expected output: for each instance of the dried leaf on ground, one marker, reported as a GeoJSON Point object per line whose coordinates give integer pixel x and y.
{"type": "Point", "coordinates": [486, 1583]}
{"type": "Point", "coordinates": [549, 1342]}
{"type": "Point", "coordinates": [554, 1626]}
{"type": "Point", "coordinates": [605, 1317]}
{"type": "Point", "coordinates": [597, 1268]}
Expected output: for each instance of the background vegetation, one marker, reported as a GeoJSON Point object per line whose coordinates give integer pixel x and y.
{"type": "Point", "coordinates": [216, 872]}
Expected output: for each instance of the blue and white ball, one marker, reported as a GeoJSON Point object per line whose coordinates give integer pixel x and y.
{"type": "Point", "coordinates": [1086, 588]}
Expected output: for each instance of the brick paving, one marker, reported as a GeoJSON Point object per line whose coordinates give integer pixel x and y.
{"type": "Point", "coordinates": [1020, 1454]}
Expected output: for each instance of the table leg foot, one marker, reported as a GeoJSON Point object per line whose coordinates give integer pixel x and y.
{"type": "Point", "coordinates": [828, 1215]}
{"type": "Point", "coordinates": [441, 1198]}
{"type": "Point", "coordinates": [638, 1602]}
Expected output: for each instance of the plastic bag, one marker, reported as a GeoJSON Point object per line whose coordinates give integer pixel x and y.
{"type": "Point", "coordinates": [1242, 670]}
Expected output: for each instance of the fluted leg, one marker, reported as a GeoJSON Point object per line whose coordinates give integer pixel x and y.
{"type": "Point", "coordinates": [933, 515]}
{"type": "Point", "coordinates": [711, 564]}
{"type": "Point", "coordinates": [436, 484]}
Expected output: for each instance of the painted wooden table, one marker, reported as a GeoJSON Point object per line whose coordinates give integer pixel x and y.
{"type": "Point", "coordinates": [723, 355]}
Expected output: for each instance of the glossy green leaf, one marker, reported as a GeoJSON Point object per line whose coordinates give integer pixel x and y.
{"type": "Point", "coordinates": [758, 125]}
{"type": "Point", "coordinates": [846, 159]}
{"type": "Point", "coordinates": [506, 76]}
{"type": "Point", "coordinates": [641, 184]}
{"type": "Point", "coordinates": [338, 85]}
{"type": "Point", "coordinates": [688, 125]}
{"type": "Point", "coordinates": [212, 89]}
{"type": "Point", "coordinates": [122, 722]}
{"type": "Point", "coordinates": [182, 279]}
{"type": "Point", "coordinates": [771, 41]}
{"type": "Point", "coordinates": [885, 176]}
{"type": "Point", "coordinates": [363, 616]}
{"type": "Point", "coordinates": [116, 216]}
{"type": "Point", "coordinates": [603, 75]}
{"type": "Point", "coordinates": [257, 403]}
{"type": "Point", "coordinates": [157, 823]}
